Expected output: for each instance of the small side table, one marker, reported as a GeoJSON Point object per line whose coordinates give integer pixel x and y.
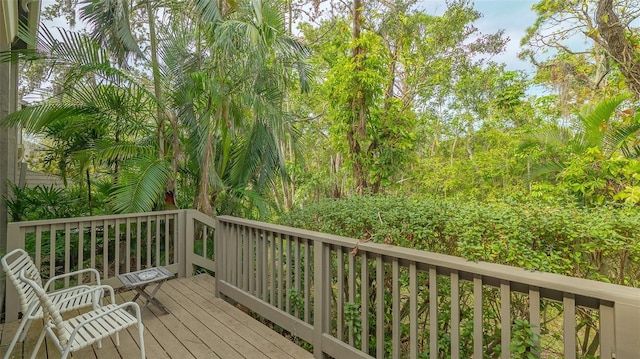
{"type": "Point", "coordinates": [141, 279]}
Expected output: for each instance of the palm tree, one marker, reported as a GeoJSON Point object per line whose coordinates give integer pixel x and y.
{"type": "Point", "coordinates": [605, 129]}
{"type": "Point", "coordinates": [225, 80]}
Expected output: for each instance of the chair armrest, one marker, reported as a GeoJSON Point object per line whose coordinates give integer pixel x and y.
{"type": "Point", "coordinates": [64, 275]}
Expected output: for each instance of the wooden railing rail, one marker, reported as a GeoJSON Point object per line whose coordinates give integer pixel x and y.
{"type": "Point", "coordinates": [113, 244]}
{"type": "Point", "coordinates": [352, 299]}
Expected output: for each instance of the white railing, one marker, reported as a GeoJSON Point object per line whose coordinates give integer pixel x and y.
{"type": "Point", "coordinates": [349, 299]}
{"type": "Point", "coordinates": [114, 244]}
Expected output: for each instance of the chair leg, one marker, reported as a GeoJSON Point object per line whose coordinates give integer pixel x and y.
{"type": "Point", "coordinates": [141, 335]}
{"type": "Point", "coordinates": [117, 339]}
{"type": "Point", "coordinates": [19, 334]}
{"type": "Point", "coordinates": [38, 344]}
{"type": "Point", "coordinates": [26, 329]}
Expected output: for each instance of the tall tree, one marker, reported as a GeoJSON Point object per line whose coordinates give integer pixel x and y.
{"type": "Point", "coordinates": [608, 26]}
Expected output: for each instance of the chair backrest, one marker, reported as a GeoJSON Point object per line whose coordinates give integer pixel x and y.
{"type": "Point", "coordinates": [15, 262]}
{"type": "Point", "coordinates": [50, 312]}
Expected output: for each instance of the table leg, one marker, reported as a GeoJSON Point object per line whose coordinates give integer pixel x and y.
{"type": "Point", "coordinates": [150, 298]}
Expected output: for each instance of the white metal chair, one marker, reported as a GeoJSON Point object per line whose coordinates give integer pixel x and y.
{"type": "Point", "coordinates": [18, 260]}
{"type": "Point", "coordinates": [85, 329]}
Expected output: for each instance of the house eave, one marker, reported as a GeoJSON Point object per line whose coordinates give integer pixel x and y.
{"type": "Point", "coordinates": [14, 12]}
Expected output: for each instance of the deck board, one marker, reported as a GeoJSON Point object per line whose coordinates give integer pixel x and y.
{"type": "Point", "coordinates": [198, 326]}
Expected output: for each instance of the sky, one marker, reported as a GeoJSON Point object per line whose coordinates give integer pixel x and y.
{"type": "Point", "coordinates": [512, 16]}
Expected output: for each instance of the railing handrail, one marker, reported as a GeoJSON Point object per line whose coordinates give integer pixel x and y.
{"type": "Point", "coordinates": [561, 283]}
{"type": "Point", "coordinates": [45, 222]}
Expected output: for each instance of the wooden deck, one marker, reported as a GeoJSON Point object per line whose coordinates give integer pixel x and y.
{"type": "Point", "coordinates": [199, 326]}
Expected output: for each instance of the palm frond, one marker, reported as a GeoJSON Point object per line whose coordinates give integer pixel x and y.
{"type": "Point", "coordinates": [619, 138]}
{"type": "Point", "coordinates": [107, 151]}
{"type": "Point", "coordinates": [596, 122]}
{"type": "Point", "coordinates": [111, 26]}
{"type": "Point", "coordinates": [142, 186]}
{"type": "Point", "coordinates": [542, 169]}
{"type": "Point", "coordinates": [208, 10]}
{"type": "Point", "coordinates": [35, 118]}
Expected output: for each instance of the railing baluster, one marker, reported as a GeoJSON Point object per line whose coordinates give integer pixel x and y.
{"type": "Point", "coordinates": [380, 314]}
{"type": "Point", "coordinates": [92, 249]}
{"type": "Point", "coordinates": [413, 311]}
{"type": "Point", "coordinates": [352, 292]}
{"type": "Point", "coordinates": [116, 246]}
{"type": "Point", "coordinates": [158, 240]}
{"type": "Point", "coordinates": [248, 278]}
{"type": "Point", "coordinates": [364, 298]}
{"type": "Point", "coordinates": [281, 271]}
{"type": "Point", "coordinates": [607, 330]}
{"type": "Point", "coordinates": [340, 295]}
{"type": "Point", "coordinates": [298, 269]}
{"type": "Point", "coordinates": [105, 249]}
{"type": "Point", "coordinates": [138, 243]}
{"type": "Point", "coordinates": [80, 250]}
{"type": "Point", "coordinates": [534, 311]}
{"type": "Point", "coordinates": [263, 269]}
{"type": "Point", "coordinates": [127, 253]}
{"type": "Point", "coordinates": [176, 246]}
{"type": "Point", "coordinates": [433, 312]}
{"type": "Point", "coordinates": [505, 316]}
{"type": "Point", "coordinates": [326, 289]}
{"type": "Point", "coordinates": [52, 251]}
{"type": "Point", "coordinates": [288, 281]}
{"type": "Point", "coordinates": [166, 240]}
{"type": "Point", "coordinates": [477, 317]}
{"type": "Point", "coordinates": [67, 252]}
{"type": "Point", "coordinates": [238, 253]}
{"type": "Point", "coordinates": [229, 257]}
{"type": "Point", "coordinates": [569, 309]}
{"type": "Point", "coordinates": [395, 308]}
{"type": "Point", "coordinates": [455, 315]}
{"type": "Point", "coordinates": [307, 279]}
{"type": "Point", "coordinates": [319, 288]}
{"type": "Point", "coordinates": [149, 229]}
{"type": "Point", "coordinates": [250, 258]}
{"type": "Point", "coordinates": [272, 271]}
{"type": "Point", "coordinates": [38, 254]}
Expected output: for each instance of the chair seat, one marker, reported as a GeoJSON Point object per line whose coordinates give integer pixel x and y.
{"type": "Point", "coordinates": [58, 299]}
{"type": "Point", "coordinates": [101, 327]}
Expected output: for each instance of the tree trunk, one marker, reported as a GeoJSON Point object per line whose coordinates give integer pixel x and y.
{"type": "Point", "coordinates": [618, 46]}
{"type": "Point", "coordinates": [358, 129]}
{"type": "Point", "coordinates": [170, 187]}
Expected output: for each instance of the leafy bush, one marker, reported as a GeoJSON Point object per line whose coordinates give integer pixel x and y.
{"type": "Point", "coordinates": [597, 243]}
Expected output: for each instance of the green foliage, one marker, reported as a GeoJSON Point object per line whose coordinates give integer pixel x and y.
{"type": "Point", "coordinates": [352, 320]}
{"type": "Point", "coordinates": [525, 343]}
{"type": "Point", "coordinates": [41, 202]}
{"type": "Point", "coordinates": [584, 242]}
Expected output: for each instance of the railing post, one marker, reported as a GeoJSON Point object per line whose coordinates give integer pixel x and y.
{"type": "Point", "coordinates": [15, 239]}
{"type": "Point", "coordinates": [183, 237]}
{"type": "Point", "coordinates": [627, 327]}
{"type": "Point", "coordinates": [319, 281]}
{"type": "Point", "coordinates": [187, 246]}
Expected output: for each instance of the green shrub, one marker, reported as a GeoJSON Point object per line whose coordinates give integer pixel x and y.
{"type": "Point", "coordinates": [597, 243]}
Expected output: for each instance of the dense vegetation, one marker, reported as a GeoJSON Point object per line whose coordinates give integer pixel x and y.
{"type": "Point", "coordinates": [595, 243]}
{"type": "Point", "coordinates": [263, 108]}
